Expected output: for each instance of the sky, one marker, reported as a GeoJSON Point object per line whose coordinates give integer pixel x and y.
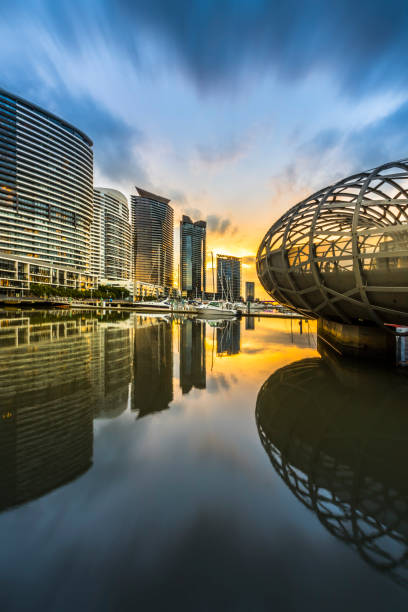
{"type": "Point", "coordinates": [234, 109]}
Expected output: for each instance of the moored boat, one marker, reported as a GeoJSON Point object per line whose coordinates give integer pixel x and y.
{"type": "Point", "coordinates": [159, 305]}
{"type": "Point", "coordinates": [217, 310]}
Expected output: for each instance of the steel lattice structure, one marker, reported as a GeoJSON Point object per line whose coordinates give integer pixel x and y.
{"type": "Point", "coordinates": [342, 456]}
{"type": "Point", "coordinates": [342, 253]}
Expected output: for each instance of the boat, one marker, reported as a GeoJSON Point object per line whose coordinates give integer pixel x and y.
{"type": "Point", "coordinates": [217, 310]}
{"type": "Point", "coordinates": [257, 306]}
{"type": "Point", "coordinates": [250, 307]}
{"type": "Point", "coordinates": [159, 305]}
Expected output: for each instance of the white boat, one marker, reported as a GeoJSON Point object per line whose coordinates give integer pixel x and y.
{"type": "Point", "coordinates": [253, 307]}
{"type": "Point", "coordinates": [159, 305]}
{"type": "Point", "coordinates": [257, 306]}
{"type": "Point", "coordinates": [217, 310]}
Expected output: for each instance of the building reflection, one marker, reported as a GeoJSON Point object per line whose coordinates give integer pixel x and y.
{"type": "Point", "coordinates": [111, 355]}
{"type": "Point", "coordinates": [337, 434]}
{"type": "Point", "coordinates": [192, 355]}
{"type": "Point", "coordinates": [152, 388]}
{"type": "Point", "coordinates": [228, 338]}
{"type": "Point", "coordinates": [250, 323]}
{"type": "Point", "coordinates": [46, 435]}
{"type": "Point", "coordinates": [58, 371]}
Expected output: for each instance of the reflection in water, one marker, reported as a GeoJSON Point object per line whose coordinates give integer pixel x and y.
{"type": "Point", "coordinates": [338, 436]}
{"type": "Point", "coordinates": [192, 355]}
{"type": "Point", "coordinates": [46, 433]}
{"type": "Point", "coordinates": [111, 371]}
{"type": "Point", "coordinates": [152, 366]}
{"type": "Point", "coordinates": [250, 323]}
{"type": "Point", "coordinates": [57, 372]}
{"type": "Point", "coordinates": [61, 370]}
{"type": "Point", "coordinates": [229, 338]}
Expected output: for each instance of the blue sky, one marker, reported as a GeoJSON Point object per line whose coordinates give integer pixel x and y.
{"type": "Point", "coordinates": [236, 109]}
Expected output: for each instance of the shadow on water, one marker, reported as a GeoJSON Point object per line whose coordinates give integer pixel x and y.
{"type": "Point", "coordinates": [337, 434]}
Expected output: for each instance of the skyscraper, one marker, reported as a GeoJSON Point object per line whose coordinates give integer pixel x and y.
{"type": "Point", "coordinates": [192, 256]}
{"type": "Point", "coordinates": [111, 237]}
{"type": "Point", "coordinates": [46, 183]}
{"type": "Point", "coordinates": [229, 277]}
{"type": "Point", "coordinates": [249, 291]}
{"type": "Point", "coordinates": [153, 242]}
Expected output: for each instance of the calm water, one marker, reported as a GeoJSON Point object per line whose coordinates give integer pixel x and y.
{"type": "Point", "coordinates": [175, 465]}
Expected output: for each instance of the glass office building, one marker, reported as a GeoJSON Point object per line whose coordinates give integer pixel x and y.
{"type": "Point", "coordinates": [229, 277]}
{"type": "Point", "coordinates": [153, 242]}
{"type": "Point", "coordinates": [192, 256]}
{"type": "Point", "coordinates": [249, 291]}
{"type": "Point", "coordinates": [111, 237]}
{"type": "Point", "coordinates": [46, 193]}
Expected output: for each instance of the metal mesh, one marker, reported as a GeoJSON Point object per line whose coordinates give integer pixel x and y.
{"type": "Point", "coordinates": [342, 253]}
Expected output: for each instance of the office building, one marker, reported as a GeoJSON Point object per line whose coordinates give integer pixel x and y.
{"type": "Point", "coordinates": [229, 277]}
{"type": "Point", "coordinates": [111, 239]}
{"type": "Point", "coordinates": [153, 243]}
{"type": "Point", "coordinates": [192, 257]}
{"type": "Point", "coordinates": [46, 193]}
{"type": "Point", "coordinates": [249, 291]}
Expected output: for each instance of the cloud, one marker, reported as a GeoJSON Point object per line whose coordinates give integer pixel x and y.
{"type": "Point", "coordinates": [115, 142]}
{"type": "Point", "coordinates": [223, 152]}
{"type": "Point", "coordinates": [217, 42]}
{"type": "Point", "coordinates": [177, 196]}
{"type": "Point", "coordinates": [249, 260]}
{"type": "Point", "coordinates": [219, 225]}
{"type": "Point", "coordinates": [194, 213]}
{"type": "Point", "coordinates": [229, 44]}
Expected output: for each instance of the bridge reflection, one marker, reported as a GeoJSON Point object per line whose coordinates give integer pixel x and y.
{"type": "Point", "coordinates": [337, 434]}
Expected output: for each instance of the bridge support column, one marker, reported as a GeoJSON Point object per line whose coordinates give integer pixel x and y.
{"type": "Point", "coordinates": [360, 341]}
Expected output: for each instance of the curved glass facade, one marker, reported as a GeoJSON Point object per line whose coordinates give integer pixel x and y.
{"type": "Point", "coordinates": [152, 226]}
{"type": "Point", "coordinates": [342, 253]}
{"type": "Point", "coordinates": [111, 246]}
{"type": "Point", "coordinates": [46, 186]}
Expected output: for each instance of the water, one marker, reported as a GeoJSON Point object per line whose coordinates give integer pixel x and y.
{"type": "Point", "coordinates": [176, 465]}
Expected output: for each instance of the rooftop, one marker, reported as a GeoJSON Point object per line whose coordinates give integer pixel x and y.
{"type": "Point", "coordinates": [151, 196]}
{"type": "Point", "coordinates": [36, 108]}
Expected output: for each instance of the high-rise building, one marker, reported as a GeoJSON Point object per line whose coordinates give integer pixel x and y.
{"type": "Point", "coordinates": [249, 291]}
{"type": "Point", "coordinates": [192, 256]}
{"type": "Point", "coordinates": [46, 193]}
{"type": "Point", "coordinates": [111, 249]}
{"type": "Point", "coordinates": [229, 277]}
{"type": "Point", "coordinates": [153, 242]}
